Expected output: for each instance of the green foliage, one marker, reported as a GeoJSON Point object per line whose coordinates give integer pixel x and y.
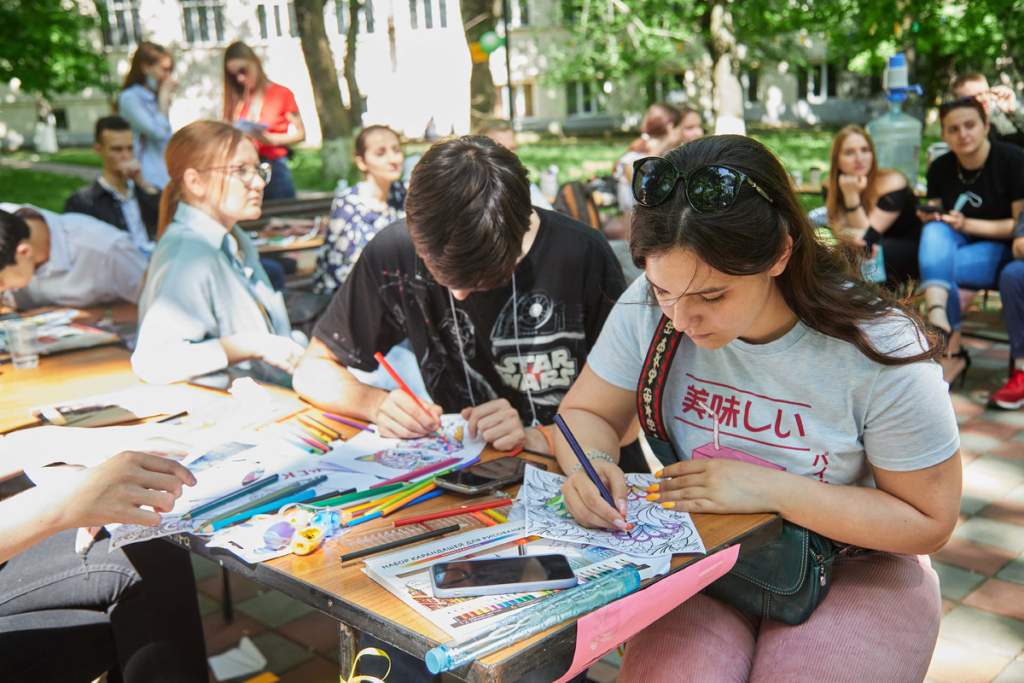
{"type": "Point", "coordinates": [48, 45]}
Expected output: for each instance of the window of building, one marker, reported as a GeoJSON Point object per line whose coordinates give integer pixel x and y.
{"type": "Point", "coordinates": [522, 99]}
{"type": "Point", "coordinates": [816, 82]}
{"type": "Point", "coordinates": [520, 13]}
{"type": "Point", "coordinates": [666, 88]}
{"type": "Point", "coordinates": [428, 14]}
{"type": "Point", "coordinates": [60, 118]}
{"type": "Point", "coordinates": [442, 13]}
{"type": "Point", "coordinates": [277, 19]}
{"type": "Point", "coordinates": [204, 21]}
{"type": "Point", "coordinates": [339, 8]}
{"type": "Point", "coordinates": [583, 98]}
{"type": "Point", "coordinates": [753, 82]}
{"type": "Point", "coordinates": [119, 20]}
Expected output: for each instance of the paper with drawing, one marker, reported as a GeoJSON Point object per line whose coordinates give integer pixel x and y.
{"type": "Point", "coordinates": [657, 531]}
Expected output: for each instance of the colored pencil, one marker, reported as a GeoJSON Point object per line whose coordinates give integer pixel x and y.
{"type": "Point", "coordinates": [227, 498]}
{"type": "Point", "coordinates": [584, 461]}
{"type": "Point", "coordinates": [310, 420]}
{"type": "Point", "coordinates": [272, 506]}
{"type": "Point", "coordinates": [379, 357]}
{"type": "Point", "coordinates": [358, 495]}
{"type": "Point", "coordinates": [364, 518]}
{"type": "Point", "coordinates": [315, 432]}
{"type": "Point", "coordinates": [331, 494]}
{"type": "Point", "coordinates": [312, 443]}
{"type": "Point", "coordinates": [405, 493]}
{"type": "Point", "coordinates": [346, 421]}
{"type": "Point", "coordinates": [272, 496]}
{"type": "Point", "coordinates": [390, 545]}
{"type": "Point", "coordinates": [496, 516]}
{"type": "Point", "coordinates": [407, 500]}
{"type": "Point", "coordinates": [175, 416]}
{"type": "Point", "coordinates": [484, 519]}
{"type": "Point", "coordinates": [452, 512]}
{"type": "Point", "coordinates": [418, 472]}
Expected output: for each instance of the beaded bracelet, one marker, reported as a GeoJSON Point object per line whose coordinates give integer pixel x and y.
{"type": "Point", "coordinates": [592, 454]}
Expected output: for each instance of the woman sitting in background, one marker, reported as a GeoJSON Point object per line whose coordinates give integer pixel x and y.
{"type": "Point", "coordinates": [870, 206]}
{"type": "Point", "coordinates": [250, 96]}
{"type": "Point", "coordinates": [361, 211]}
{"type": "Point", "coordinates": [977, 190]}
{"type": "Point", "coordinates": [207, 302]}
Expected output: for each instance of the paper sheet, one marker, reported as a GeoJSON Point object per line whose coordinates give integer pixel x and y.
{"type": "Point", "coordinates": [604, 628]}
{"type": "Point", "coordinates": [238, 661]}
{"type": "Point", "coordinates": [657, 532]}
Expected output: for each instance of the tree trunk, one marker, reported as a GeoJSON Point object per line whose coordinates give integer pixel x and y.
{"type": "Point", "coordinates": [478, 18]}
{"type": "Point", "coordinates": [355, 97]}
{"type": "Point", "coordinates": [335, 125]}
{"type": "Point", "coordinates": [728, 99]}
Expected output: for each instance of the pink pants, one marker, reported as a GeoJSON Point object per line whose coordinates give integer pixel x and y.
{"type": "Point", "coordinates": [878, 623]}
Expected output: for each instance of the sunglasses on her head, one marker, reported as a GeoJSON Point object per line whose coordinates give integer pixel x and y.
{"type": "Point", "coordinates": [709, 189]}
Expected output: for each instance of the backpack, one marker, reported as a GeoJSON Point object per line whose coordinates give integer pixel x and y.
{"type": "Point", "coordinates": [574, 200]}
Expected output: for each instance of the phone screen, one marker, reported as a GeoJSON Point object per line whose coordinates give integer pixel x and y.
{"type": "Point", "coordinates": [926, 207]}
{"type": "Point", "coordinates": [506, 470]}
{"type": "Point", "coordinates": [502, 570]}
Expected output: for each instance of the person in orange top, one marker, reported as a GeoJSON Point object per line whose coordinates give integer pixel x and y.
{"type": "Point", "coordinates": [264, 110]}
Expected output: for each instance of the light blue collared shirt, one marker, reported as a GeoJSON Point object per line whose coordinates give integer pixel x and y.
{"type": "Point", "coordinates": [203, 283]}
{"type": "Point", "coordinates": [151, 129]}
{"type": "Point", "coordinates": [132, 215]}
{"type": "Point", "coordinates": [90, 263]}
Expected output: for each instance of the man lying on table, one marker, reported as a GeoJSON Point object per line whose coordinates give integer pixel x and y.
{"type": "Point", "coordinates": [66, 260]}
{"type": "Point", "coordinates": [500, 301]}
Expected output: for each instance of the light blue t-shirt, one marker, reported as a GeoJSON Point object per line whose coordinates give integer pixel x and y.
{"type": "Point", "coordinates": [151, 129]}
{"type": "Point", "coordinates": [810, 403]}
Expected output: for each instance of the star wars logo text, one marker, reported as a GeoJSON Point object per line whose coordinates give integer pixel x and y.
{"type": "Point", "coordinates": [540, 371]}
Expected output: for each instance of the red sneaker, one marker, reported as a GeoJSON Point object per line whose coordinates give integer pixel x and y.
{"type": "Point", "coordinates": [1011, 395]}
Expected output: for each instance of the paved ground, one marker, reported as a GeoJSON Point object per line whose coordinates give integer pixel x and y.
{"type": "Point", "coordinates": [982, 568]}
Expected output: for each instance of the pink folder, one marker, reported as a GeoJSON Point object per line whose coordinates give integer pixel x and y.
{"type": "Point", "coordinates": [709, 451]}
{"type": "Point", "coordinates": [603, 629]}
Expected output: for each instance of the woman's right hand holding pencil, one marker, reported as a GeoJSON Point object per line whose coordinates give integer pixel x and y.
{"type": "Point", "coordinates": [585, 503]}
{"type": "Point", "coordinates": [399, 415]}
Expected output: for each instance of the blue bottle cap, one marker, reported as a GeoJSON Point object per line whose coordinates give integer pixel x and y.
{"type": "Point", "coordinates": [438, 660]}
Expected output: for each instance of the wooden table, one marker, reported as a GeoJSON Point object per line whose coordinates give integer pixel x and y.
{"type": "Point", "coordinates": [345, 592]}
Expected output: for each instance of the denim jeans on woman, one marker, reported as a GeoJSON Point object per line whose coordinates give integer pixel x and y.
{"type": "Point", "coordinates": [145, 590]}
{"type": "Point", "coordinates": [281, 185]}
{"type": "Point", "coordinates": [951, 260]}
{"type": "Point", "coordinates": [1011, 291]}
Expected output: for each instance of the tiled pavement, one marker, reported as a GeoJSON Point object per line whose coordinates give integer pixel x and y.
{"type": "Point", "coordinates": [982, 567]}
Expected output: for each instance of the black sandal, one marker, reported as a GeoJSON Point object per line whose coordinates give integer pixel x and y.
{"type": "Point", "coordinates": [961, 354]}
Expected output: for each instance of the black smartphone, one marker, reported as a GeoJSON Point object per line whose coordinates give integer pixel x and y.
{"type": "Point", "coordinates": [929, 205]}
{"type": "Point", "coordinates": [487, 476]}
{"type": "Point", "coordinates": [501, 575]}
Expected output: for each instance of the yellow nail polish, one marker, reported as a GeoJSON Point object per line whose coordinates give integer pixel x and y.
{"type": "Point", "coordinates": [669, 505]}
{"type": "Point", "coordinates": [658, 473]}
{"type": "Point", "coordinates": [653, 488]}
{"type": "Point", "coordinates": [654, 496]}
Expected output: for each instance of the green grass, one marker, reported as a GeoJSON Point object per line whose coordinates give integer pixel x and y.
{"type": "Point", "coordinates": [45, 190]}
{"type": "Point", "coordinates": [79, 156]}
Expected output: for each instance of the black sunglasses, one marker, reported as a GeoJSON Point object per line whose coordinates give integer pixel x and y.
{"type": "Point", "coordinates": [708, 189]}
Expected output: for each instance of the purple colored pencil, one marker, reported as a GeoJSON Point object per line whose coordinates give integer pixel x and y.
{"type": "Point", "coordinates": [346, 421]}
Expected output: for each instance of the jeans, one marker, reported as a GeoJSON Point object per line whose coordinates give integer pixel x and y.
{"type": "Point", "coordinates": [145, 592]}
{"type": "Point", "coordinates": [950, 260]}
{"type": "Point", "coordinates": [280, 185]}
{"type": "Point", "coordinates": [1011, 291]}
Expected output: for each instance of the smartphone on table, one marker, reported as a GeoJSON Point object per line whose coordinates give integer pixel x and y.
{"type": "Point", "coordinates": [465, 578]}
{"type": "Point", "coordinates": [484, 477]}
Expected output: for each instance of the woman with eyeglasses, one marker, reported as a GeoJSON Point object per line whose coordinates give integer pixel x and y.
{"type": "Point", "coordinates": [975, 196]}
{"type": "Point", "coordinates": [207, 302]}
{"type": "Point", "coordinates": [786, 386]}
{"type": "Point", "coordinates": [145, 101]}
{"type": "Point", "coordinates": [361, 211]}
{"type": "Point", "coordinates": [264, 110]}
{"type": "Point", "coordinates": [869, 206]}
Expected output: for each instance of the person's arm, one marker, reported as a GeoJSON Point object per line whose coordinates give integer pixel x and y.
{"type": "Point", "coordinates": [114, 491]}
{"type": "Point", "coordinates": [295, 134]}
{"type": "Point", "coordinates": [324, 381]}
{"type": "Point", "coordinates": [154, 125]}
{"type": "Point", "coordinates": [1018, 248]}
{"type": "Point", "coordinates": [125, 268]}
{"type": "Point", "coordinates": [1000, 229]}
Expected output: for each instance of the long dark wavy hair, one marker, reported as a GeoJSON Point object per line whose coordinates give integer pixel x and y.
{"type": "Point", "coordinates": [819, 284]}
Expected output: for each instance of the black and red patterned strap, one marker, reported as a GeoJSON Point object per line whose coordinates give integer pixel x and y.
{"type": "Point", "coordinates": [651, 386]}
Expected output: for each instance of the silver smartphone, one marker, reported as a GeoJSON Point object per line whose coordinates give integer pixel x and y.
{"type": "Point", "coordinates": [466, 578]}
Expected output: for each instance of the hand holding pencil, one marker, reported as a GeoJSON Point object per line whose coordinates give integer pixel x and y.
{"type": "Point", "coordinates": [401, 413]}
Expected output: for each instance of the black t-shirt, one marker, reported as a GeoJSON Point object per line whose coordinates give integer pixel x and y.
{"type": "Point", "coordinates": [565, 285]}
{"type": "Point", "coordinates": [993, 188]}
{"type": "Point", "coordinates": [907, 225]}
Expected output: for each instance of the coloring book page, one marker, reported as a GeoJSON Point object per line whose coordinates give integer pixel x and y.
{"type": "Point", "coordinates": [370, 453]}
{"type": "Point", "coordinates": [657, 531]}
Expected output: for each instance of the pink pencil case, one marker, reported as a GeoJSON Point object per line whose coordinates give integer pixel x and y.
{"type": "Point", "coordinates": [708, 451]}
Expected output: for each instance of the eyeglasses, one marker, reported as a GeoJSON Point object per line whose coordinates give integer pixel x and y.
{"type": "Point", "coordinates": [247, 172]}
{"type": "Point", "coordinates": [709, 189]}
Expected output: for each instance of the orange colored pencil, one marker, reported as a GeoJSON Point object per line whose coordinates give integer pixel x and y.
{"type": "Point", "coordinates": [408, 499]}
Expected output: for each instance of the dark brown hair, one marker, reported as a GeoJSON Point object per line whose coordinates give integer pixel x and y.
{"type": "Point", "coordinates": [233, 92]}
{"type": "Point", "coordinates": [962, 103]}
{"type": "Point", "coordinates": [963, 79]}
{"type": "Point", "coordinates": [819, 284]}
{"type": "Point", "coordinates": [112, 122]}
{"type": "Point", "coordinates": [468, 209]}
{"type": "Point", "coordinates": [13, 231]}
{"type": "Point", "coordinates": [199, 145]}
{"type": "Point", "coordinates": [360, 143]}
{"type": "Point", "coordinates": [147, 54]}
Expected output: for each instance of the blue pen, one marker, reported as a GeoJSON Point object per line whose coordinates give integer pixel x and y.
{"type": "Point", "coordinates": [262, 509]}
{"type": "Point", "coordinates": [584, 461]}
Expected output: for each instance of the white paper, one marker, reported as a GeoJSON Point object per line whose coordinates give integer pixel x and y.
{"type": "Point", "coordinates": [657, 531]}
{"type": "Point", "coordinates": [238, 661]}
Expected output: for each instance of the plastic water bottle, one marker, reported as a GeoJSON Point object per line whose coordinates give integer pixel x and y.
{"type": "Point", "coordinates": [549, 182]}
{"type": "Point", "coordinates": [897, 136]}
